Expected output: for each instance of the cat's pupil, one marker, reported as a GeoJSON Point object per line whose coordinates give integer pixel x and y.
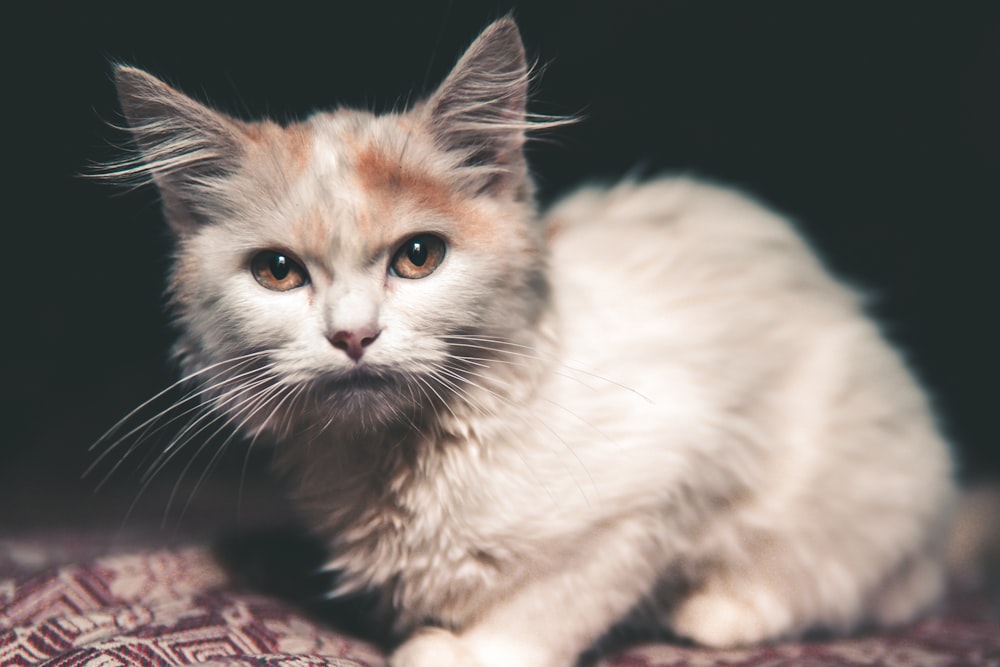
{"type": "Point", "coordinates": [279, 267]}
{"type": "Point", "coordinates": [417, 254]}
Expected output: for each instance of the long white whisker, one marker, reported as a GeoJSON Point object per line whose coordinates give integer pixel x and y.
{"type": "Point", "coordinates": [150, 426]}
{"type": "Point", "coordinates": [282, 391]}
{"type": "Point", "coordinates": [534, 417]}
{"type": "Point", "coordinates": [465, 395]}
{"type": "Point", "coordinates": [460, 392]}
{"type": "Point", "coordinates": [413, 401]}
{"type": "Point", "coordinates": [298, 393]}
{"type": "Point", "coordinates": [466, 372]}
{"type": "Point", "coordinates": [536, 357]}
{"type": "Point", "coordinates": [187, 378]}
{"type": "Point", "coordinates": [176, 445]}
{"type": "Point", "coordinates": [147, 425]}
{"type": "Point", "coordinates": [214, 408]}
{"type": "Point", "coordinates": [429, 386]}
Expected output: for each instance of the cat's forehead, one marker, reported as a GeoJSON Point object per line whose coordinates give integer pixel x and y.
{"type": "Point", "coordinates": [286, 148]}
{"type": "Point", "coordinates": [389, 158]}
{"type": "Point", "coordinates": [360, 182]}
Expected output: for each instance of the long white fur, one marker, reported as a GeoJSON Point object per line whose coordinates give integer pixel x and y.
{"type": "Point", "coordinates": [667, 410]}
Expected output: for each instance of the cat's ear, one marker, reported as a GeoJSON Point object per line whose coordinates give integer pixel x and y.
{"type": "Point", "coordinates": [479, 110]}
{"type": "Point", "coordinates": [186, 148]}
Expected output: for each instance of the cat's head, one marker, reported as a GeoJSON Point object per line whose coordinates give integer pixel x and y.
{"type": "Point", "coordinates": [336, 261]}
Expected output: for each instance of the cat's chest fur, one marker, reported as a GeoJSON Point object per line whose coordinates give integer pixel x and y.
{"type": "Point", "coordinates": [438, 528]}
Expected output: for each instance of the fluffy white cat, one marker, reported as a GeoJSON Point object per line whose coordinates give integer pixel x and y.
{"type": "Point", "coordinates": [649, 402]}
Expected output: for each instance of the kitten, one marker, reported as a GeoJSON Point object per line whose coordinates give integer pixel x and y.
{"type": "Point", "coordinates": [521, 428]}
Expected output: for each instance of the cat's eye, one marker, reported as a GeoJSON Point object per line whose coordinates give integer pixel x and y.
{"type": "Point", "coordinates": [277, 271]}
{"type": "Point", "coordinates": [418, 257]}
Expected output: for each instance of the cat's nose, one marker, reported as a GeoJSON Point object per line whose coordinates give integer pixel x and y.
{"type": "Point", "coordinates": [353, 343]}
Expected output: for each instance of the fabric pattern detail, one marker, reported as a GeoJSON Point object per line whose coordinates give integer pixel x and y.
{"type": "Point", "coordinates": [176, 607]}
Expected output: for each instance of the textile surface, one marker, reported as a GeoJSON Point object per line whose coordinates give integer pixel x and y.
{"type": "Point", "coordinates": [178, 606]}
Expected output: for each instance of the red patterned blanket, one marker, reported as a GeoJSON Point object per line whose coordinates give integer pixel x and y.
{"type": "Point", "coordinates": [178, 607]}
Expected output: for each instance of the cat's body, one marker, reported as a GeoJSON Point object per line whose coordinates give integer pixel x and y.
{"type": "Point", "coordinates": [651, 399]}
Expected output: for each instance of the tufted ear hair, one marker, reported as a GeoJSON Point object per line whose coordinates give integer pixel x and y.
{"type": "Point", "coordinates": [185, 148]}
{"type": "Point", "coordinates": [479, 111]}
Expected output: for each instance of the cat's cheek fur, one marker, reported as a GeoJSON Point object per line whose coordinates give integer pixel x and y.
{"type": "Point", "coordinates": [220, 302]}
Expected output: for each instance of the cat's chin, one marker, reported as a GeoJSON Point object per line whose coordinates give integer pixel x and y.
{"type": "Point", "coordinates": [360, 378]}
{"type": "Point", "coordinates": [364, 396]}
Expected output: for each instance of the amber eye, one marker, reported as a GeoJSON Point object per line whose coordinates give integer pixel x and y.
{"type": "Point", "coordinates": [277, 271]}
{"type": "Point", "coordinates": [418, 257]}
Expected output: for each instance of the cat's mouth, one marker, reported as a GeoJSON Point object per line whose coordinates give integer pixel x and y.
{"type": "Point", "coordinates": [362, 397]}
{"type": "Point", "coordinates": [361, 380]}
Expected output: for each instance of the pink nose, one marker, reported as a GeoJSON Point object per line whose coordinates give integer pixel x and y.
{"type": "Point", "coordinates": [353, 343]}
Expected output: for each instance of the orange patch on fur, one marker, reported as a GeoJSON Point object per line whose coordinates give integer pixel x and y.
{"type": "Point", "coordinates": [390, 182]}
{"type": "Point", "coordinates": [553, 227]}
{"type": "Point", "coordinates": [311, 238]}
{"type": "Point", "coordinates": [299, 140]}
{"type": "Point", "coordinates": [386, 177]}
{"type": "Point", "coordinates": [291, 145]}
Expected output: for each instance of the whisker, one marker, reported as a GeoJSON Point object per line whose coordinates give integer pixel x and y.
{"type": "Point", "coordinates": [298, 393]}
{"type": "Point", "coordinates": [460, 392]}
{"type": "Point", "coordinates": [187, 378]}
{"type": "Point", "coordinates": [547, 400]}
{"type": "Point", "coordinates": [429, 386]}
{"type": "Point", "coordinates": [524, 409]}
{"type": "Point", "coordinates": [215, 407]}
{"type": "Point", "coordinates": [453, 339]}
{"type": "Point", "coordinates": [152, 427]}
{"type": "Point", "coordinates": [282, 391]}
{"type": "Point", "coordinates": [146, 427]}
{"type": "Point", "coordinates": [465, 395]}
{"type": "Point", "coordinates": [178, 443]}
{"type": "Point", "coordinates": [413, 401]}
{"type": "Point", "coordinates": [213, 413]}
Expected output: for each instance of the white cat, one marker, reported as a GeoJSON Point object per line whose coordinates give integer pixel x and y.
{"type": "Point", "coordinates": [651, 400]}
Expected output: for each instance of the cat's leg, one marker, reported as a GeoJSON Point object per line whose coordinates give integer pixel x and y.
{"type": "Point", "coordinates": [775, 597]}
{"type": "Point", "coordinates": [552, 619]}
{"type": "Point", "coordinates": [548, 623]}
{"type": "Point", "coordinates": [763, 585]}
{"type": "Point", "coordinates": [914, 588]}
{"type": "Point", "coordinates": [729, 611]}
{"type": "Point", "coordinates": [433, 646]}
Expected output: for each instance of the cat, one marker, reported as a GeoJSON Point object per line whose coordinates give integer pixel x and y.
{"type": "Point", "coordinates": [648, 403]}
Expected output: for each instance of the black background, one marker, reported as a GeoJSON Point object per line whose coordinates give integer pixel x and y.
{"type": "Point", "coordinates": [875, 125]}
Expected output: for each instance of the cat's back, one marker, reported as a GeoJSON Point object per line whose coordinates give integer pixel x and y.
{"type": "Point", "coordinates": [696, 233]}
{"type": "Point", "coordinates": [696, 295]}
{"type": "Point", "coordinates": [691, 267]}
{"type": "Point", "coordinates": [715, 310]}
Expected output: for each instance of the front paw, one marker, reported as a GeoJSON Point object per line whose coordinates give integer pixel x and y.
{"type": "Point", "coordinates": [725, 620]}
{"type": "Point", "coordinates": [432, 647]}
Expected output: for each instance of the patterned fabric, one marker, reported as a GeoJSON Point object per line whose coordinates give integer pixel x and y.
{"type": "Point", "coordinates": [176, 607]}
{"type": "Point", "coordinates": [159, 608]}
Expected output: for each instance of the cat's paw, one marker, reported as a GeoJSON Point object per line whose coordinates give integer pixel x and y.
{"type": "Point", "coordinates": [432, 647]}
{"type": "Point", "coordinates": [724, 620]}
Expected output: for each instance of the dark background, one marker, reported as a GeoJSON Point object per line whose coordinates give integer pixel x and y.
{"type": "Point", "coordinates": [875, 125]}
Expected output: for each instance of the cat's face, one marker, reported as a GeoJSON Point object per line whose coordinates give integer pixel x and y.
{"type": "Point", "coordinates": [330, 266]}
{"type": "Point", "coordinates": [354, 266]}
